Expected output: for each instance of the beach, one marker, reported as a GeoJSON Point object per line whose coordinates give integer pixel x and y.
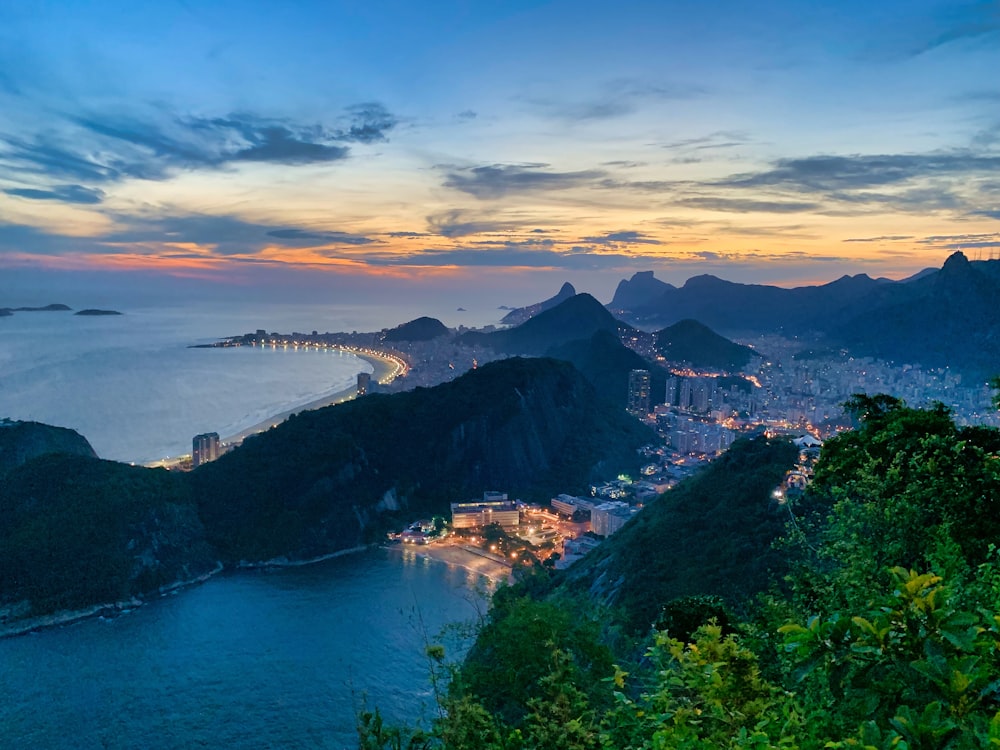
{"type": "Point", "coordinates": [385, 370]}
{"type": "Point", "coordinates": [470, 558]}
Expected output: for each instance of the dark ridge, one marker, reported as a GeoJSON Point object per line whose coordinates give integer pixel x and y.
{"type": "Point", "coordinates": [95, 312]}
{"type": "Point", "coordinates": [691, 342]}
{"type": "Point", "coordinates": [420, 329]}
{"type": "Point", "coordinates": [519, 315]}
{"type": "Point", "coordinates": [578, 317]}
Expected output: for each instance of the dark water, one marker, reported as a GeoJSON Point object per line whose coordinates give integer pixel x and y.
{"type": "Point", "coordinates": [252, 660]}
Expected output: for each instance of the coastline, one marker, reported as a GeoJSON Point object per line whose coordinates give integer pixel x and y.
{"type": "Point", "coordinates": [471, 559]}
{"type": "Point", "coordinates": [385, 369]}
{"type": "Point", "coordinates": [68, 617]}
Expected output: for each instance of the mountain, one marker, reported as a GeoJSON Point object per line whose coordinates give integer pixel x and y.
{"type": "Point", "coordinates": [578, 317]}
{"type": "Point", "coordinates": [606, 363]}
{"type": "Point", "coordinates": [711, 535]}
{"type": "Point", "coordinates": [76, 531]}
{"type": "Point", "coordinates": [736, 308]}
{"type": "Point", "coordinates": [420, 329]}
{"type": "Point", "coordinates": [945, 317]}
{"type": "Point", "coordinates": [333, 478]}
{"type": "Point", "coordinates": [22, 441]}
{"type": "Point", "coordinates": [519, 315]}
{"type": "Point", "coordinates": [701, 347]}
{"type": "Point", "coordinates": [637, 292]}
{"type": "Point", "coordinates": [950, 318]}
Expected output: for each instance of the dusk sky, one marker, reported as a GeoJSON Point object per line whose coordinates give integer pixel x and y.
{"type": "Point", "coordinates": [317, 146]}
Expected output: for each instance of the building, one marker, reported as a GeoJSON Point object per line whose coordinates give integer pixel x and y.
{"type": "Point", "coordinates": [638, 393]}
{"type": "Point", "coordinates": [569, 505]}
{"type": "Point", "coordinates": [364, 383]}
{"type": "Point", "coordinates": [475, 514]}
{"type": "Point", "coordinates": [607, 518]}
{"type": "Point", "coordinates": [204, 448]}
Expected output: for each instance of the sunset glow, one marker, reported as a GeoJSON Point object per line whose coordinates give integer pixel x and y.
{"type": "Point", "coordinates": [529, 140]}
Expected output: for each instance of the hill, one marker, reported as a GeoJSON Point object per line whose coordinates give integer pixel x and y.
{"type": "Point", "coordinates": [76, 531]}
{"type": "Point", "coordinates": [711, 535]}
{"type": "Point", "coordinates": [606, 363]}
{"type": "Point", "coordinates": [936, 318]}
{"type": "Point", "coordinates": [22, 441]}
{"type": "Point", "coordinates": [420, 329]}
{"type": "Point", "coordinates": [333, 478]}
{"type": "Point", "coordinates": [519, 315]}
{"type": "Point", "coordinates": [638, 292]}
{"type": "Point", "coordinates": [698, 345]}
{"type": "Point", "coordinates": [578, 317]}
{"type": "Point", "coordinates": [949, 318]}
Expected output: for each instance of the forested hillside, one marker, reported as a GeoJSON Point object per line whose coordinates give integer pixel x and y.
{"type": "Point", "coordinates": [879, 627]}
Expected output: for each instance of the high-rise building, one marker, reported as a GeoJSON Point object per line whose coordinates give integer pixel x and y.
{"type": "Point", "coordinates": [638, 393]}
{"type": "Point", "coordinates": [204, 448]}
{"type": "Point", "coordinates": [364, 383]}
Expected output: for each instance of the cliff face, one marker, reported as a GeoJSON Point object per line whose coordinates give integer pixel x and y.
{"type": "Point", "coordinates": [22, 441]}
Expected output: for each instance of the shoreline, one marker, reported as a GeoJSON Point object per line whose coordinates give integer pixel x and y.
{"type": "Point", "coordinates": [386, 368]}
{"type": "Point", "coordinates": [69, 616]}
{"type": "Point", "coordinates": [476, 561]}
{"type": "Point", "coordinates": [383, 368]}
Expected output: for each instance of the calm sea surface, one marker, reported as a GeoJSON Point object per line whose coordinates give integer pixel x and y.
{"type": "Point", "coordinates": [134, 389]}
{"type": "Point", "coordinates": [279, 659]}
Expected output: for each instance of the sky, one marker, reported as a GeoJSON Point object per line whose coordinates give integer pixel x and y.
{"type": "Point", "coordinates": [308, 149]}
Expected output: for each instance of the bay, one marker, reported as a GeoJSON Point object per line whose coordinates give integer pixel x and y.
{"type": "Point", "coordinates": [274, 659]}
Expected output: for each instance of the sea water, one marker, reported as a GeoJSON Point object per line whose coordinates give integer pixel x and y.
{"type": "Point", "coordinates": [135, 389]}
{"type": "Point", "coordinates": [278, 659]}
{"type": "Point", "coordinates": [248, 660]}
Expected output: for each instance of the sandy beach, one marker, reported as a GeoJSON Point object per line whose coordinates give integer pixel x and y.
{"type": "Point", "coordinates": [470, 558]}
{"type": "Point", "coordinates": [384, 369]}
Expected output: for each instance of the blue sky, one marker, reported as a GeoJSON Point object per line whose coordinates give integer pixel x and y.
{"type": "Point", "coordinates": [510, 145]}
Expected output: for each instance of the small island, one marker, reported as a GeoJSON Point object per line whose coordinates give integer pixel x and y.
{"type": "Point", "coordinates": [95, 312]}
{"type": "Point", "coordinates": [47, 308]}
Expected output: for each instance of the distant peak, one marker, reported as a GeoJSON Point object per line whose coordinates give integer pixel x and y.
{"type": "Point", "coordinates": [955, 261]}
{"type": "Point", "coordinates": [566, 290]}
{"type": "Point", "coordinates": [642, 275]}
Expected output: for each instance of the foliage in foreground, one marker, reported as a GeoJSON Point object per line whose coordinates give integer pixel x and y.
{"type": "Point", "coordinates": [884, 636]}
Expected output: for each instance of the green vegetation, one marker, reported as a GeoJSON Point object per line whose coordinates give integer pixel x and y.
{"type": "Point", "coordinates": [76, 532]}
{"type": "Point", "coordinates": [878, 630]}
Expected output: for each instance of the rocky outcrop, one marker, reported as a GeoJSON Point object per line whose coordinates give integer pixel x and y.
{"type": "Point", "coordinates": [22, 441]}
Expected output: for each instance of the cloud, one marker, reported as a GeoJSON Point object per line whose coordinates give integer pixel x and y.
{"type": "Point", "coordinates": [499, 180]}
{"type": "Point", "coordinates": [307, 236]}
{"type": "Point", "coordinates": [459, 223]}
{"type": "Point", "coordinates": [467, 114]}
{"type": "Point", "coordinates": [96, 150]}
{"type": "Point", "coordinates": [833, 173]}
{"type": "Point", "coordinates": [616, 98]}
{"type": "Point", "coordinates": [63, 193]}
{"type": "Point", "coordinates": [513, 254]}
{"type": "Point", "coordinates": [884, 238]}
{"type": "Point", "coordinates": [956, 22]}
{"type": "Point", "coordinates": [720, 139]}
{"type": "Point", "coordinates": [748, 205]}
{"type": "Point", "coordinates": [622, 238]}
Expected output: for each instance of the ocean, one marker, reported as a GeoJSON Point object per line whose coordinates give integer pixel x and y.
{"type": "Point", "coordinates": [251, 659]}
{"type": "Point", "coordinates": [132, 386]}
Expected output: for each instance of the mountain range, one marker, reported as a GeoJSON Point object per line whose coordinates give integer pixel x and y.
{"type": "Point", "coordinates": [945, 317]}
